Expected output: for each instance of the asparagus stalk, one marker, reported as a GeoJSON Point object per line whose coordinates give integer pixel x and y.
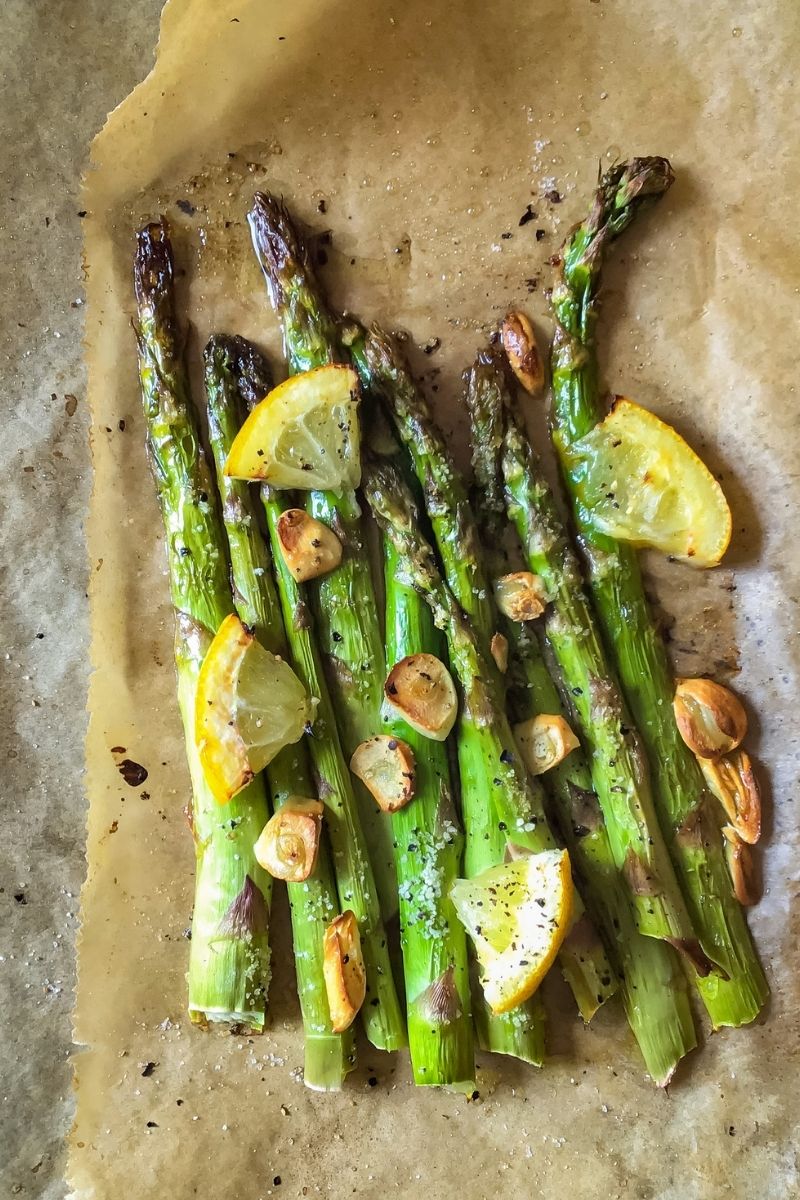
{"type": "Point", "coordinates": [313, 904]}
{"type": "Point", "coordinates": [345, 608]}
{"type": "Point", "coordinates": [521, 1033]}
{"type": "Point", "coordinates": [428, 847]}
{"type": "Point", "coordinates": [652, 985]}
{"type": "Point", "coordinates": [383, 368]}
{"type": "Point", "coordinates": [516, 799]}
{"type": "Point", "coordinates": [229, 956]}
{"type": "Point", "coordinates": [619, 768]}
{"type": "Point", "coordinates": [687, 814]}
{"type": "Point", "coordinates": [381, 1013]}
{"type": "Point", "coordinates": [583, 958]}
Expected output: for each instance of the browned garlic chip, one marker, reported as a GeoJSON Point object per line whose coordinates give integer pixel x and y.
{"type": "Point", "coordinates": [544, 741]}
{"type": "Point", "coordinates": [289, 842]}
{"type": "Point", "coordinates": [520, 596]}
{"type": "Point", "coordinates": [385, 765]}
{"type": "Point", "coordinates": [732, 780]}
{"type": "Point", "coordinates": [740, 865]}
{"type": "Point", "coordinates": [309, 547]}
{"type": "Point", "coordinates": [343, 970]}
{"type": "Point", "coordinates": [711, 720]}
{"type": "Point", "coordinates": [519, 343]}
{"type": "Point", "coordinates": [421, 689]}
{"type": "Point", "coordinates": [499, 651]}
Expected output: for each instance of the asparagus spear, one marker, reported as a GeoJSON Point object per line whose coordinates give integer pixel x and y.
{"type": "Point", "coordinates": [381, 1013]}
{"type": "Point", "coordinates": [383, 368]}
{"type": "Point", "coordinates": [428, 847]}
{"type": "Point", "coordinates": [517, 800]}
{"type": "Point", "coordinates": [313, 904]}
{"type": "Point", "coordinates": [619, 769]}
{"type": "Point", "coordinates": [521, 1033]}
{"type": "Point", "coordinates": [652, 985]}
{"type": "Point", "coordinates": [688, 816]}
{"type": "Point", "coordinates": [229, 956]}
{"type": "Point", "coordinates": [345, 608]}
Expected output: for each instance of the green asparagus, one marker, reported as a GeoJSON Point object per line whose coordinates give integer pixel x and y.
{"type": "Point", "coordinates": [652, 985]}
{"type": "Point", "coordinates": [313, 904]}
{"type": "Point", "coordinates": [688, 815]}
{"type": "Point", "coordinates": [381, 1014]}
{"type": "Point", "coordinates": [516, 799]}
{"type": "Point", "coordinates": [229, 956]}
{"type": "Point", "coordinates": [345, 608]}
{"type": "Point", "coordinates": [383, 368]}
{"type": "Point", "coordinates": [519, 1034]}
{"type": "Point", "coordinates": [428, 848]}
{"type": "Point", "coordinates": [619, 769]}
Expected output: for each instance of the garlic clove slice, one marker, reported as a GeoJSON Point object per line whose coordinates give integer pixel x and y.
{"type": "Point", "coordinates": [499, 652]}
{"type": "Point", "coordinates": [420, 688]}
{"type": "Point", "coordinates": [288, 845]}
{"type": "Point", "coordinates": [308, 547]}
{"type": "Point", "coordinates": [544, 741]}
{"type": "Point", "coordinates": [343, 970]}
{"type": "Point", "coordinates": [522, 352]}
{"type": "Point", "coordinates": [386, 767]}
{"type": "Point", "coordinates": [710, 718]}
{"type": "Point", "coordinates": [732, 780]}
{"type": "Point", "coordinates": [741, 867]}
{"type": "Point", "coordinates": [520, 596]}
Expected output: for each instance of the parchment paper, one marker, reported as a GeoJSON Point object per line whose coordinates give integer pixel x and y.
{"type": "Point", "coordinates": [427, 130]}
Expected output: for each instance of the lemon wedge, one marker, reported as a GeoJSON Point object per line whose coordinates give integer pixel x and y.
{"type": "Point", "coordinates": [517, 915]}
{"type": "Point", "coordinates": [304, 434]}
{"type": "Point", "coordinates": [642, 483]}
{"type": "Point", "coordinates": [250, 705]}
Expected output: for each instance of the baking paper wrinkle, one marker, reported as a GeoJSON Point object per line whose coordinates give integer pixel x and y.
{"type": "Point", "coordinates": [427, 131]}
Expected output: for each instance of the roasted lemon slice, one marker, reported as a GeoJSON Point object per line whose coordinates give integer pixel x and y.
{"type": "Point", "coordinates": [517, 914]}
{"type": "Point", "coordinates": [304, 434]}
{"type": "Point", "coordinates": [643, 484]}
{"type": "Point", "coordinates": [250, 705]}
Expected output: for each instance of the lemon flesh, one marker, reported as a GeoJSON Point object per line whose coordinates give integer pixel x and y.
{"type": "Point", "coordinates": [642, 483]}
{"type": "Point", "coordinates": [304, 434]}
{"type": "Point", "coordinates": [250, 705]}
{"type": "Point", "coordinates": [517, 915]}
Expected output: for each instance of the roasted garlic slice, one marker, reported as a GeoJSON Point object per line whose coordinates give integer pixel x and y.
{"type": "Point", "coordinates": [289, 843]}
{"type": "Point", "coordinates": [309, 548]}
{"type": "Point", "coordinates": [544, 741]}
{"type": "Point", "coordinates": [519, 343]}
{"type": "Point", "coordinates": [386, 767]}
{"type": "Point", "coordinates": [732, 780]}
{"type": "Point", "coordinates": [740, 865]}
{"type": "Point", "coordinates": [710, 719]}
{"type": "Point", "coordinates": [520, 596]}
{"type": "Point", "coordinates": [499, 651]}
{"type": "Point", "coordinates": [421, 689]}
{"type": "Point", "coordinates": [343, 970]}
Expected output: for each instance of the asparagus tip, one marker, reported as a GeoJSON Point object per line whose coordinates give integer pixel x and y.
{"type": "Point", "coordinates": [245, 362]}
{"type": "Point", "coordinates": [624, 188]}
{"type": "Point", "coordinates": [275, 238]}
{"type": "Point", "coordinates": [153, 266]}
